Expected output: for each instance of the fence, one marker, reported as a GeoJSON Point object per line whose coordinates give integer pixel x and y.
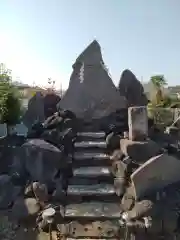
{"type": "Point", "coordinates": [18, 129]}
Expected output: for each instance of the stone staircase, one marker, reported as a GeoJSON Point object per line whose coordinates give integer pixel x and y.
{"type": "Point", "coordinates": [93, 207]}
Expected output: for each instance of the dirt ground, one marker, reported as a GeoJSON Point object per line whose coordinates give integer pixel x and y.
{"type": "Point", "coordinates": [9, 230]}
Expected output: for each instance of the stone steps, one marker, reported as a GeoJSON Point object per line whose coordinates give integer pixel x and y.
{"type": "Point", "coordinates": [91, 190]}
{"type": "Point", "coordinates": [91, 193]}
{"type": "Point", "coordinates": [95, 210]}
{"type": "Point", "coordinates": [82, 156]}
{"type": "Point", "coordinates": [97, 158]}
{"type": "Point", "coordinates": [90, 144]}
{"type": "Point", "coordinates": [90, 181]}
{"type": "Point", "coordinates": [92, 172]}
{"type": "Point", "coordinates": [92, 135]}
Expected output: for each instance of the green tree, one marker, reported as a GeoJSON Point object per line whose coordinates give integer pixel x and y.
{"type": "Point", "coordinates": [10, 103]}
{"type": "Point", "coordinates": [159, 82]}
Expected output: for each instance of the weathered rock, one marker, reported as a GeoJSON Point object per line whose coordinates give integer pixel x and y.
{"type": "Point", "coordinates": [28, 191]}
{"type": "Point", "coordinates": [54, 121]}
{"type": "Point", "coordinates": [8, 192]}
{"type": "Point", "coordinates": [128, 199]}
{"type": "Point", "coordinates": [132, 89]}
{"type": "Point", "coordinates": [139, 151]}
{"type": "Point", "coordinates": [140, 209]}
{"type": "Point", "coordinates": [66, 114]}
{"type": "Point", "coordinates": [117, 155]}
{"type": "Point", "coordinates": [119, 186]}
{"type": "Point", "coordinates": [112, 141]}
{"type": "Point", "coordinates": [138, 123]}
{"type": "Point", "coordinates": [40, 192]}
{"type": "Point", "coordinates": [39, 159]}
{"type": "Point", "coordinates": [59, 194]}
{"type": "Point", "coordinates": [25, 208]}
{"type": "Point", "coordinates": [170, 220]}
{"type": "Point", "coordinates": [91, 92]}
{"type": "Point", "coordinates": [35, 110]}
{"type": "Point", "coordinates": [119, 169]}
{"type": "Point", "coordinates": [50, 102]}
{"type": "Point", "coordinates": [157, 173]}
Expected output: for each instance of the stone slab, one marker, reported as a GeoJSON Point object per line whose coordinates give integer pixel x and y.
{"type": "Point", "coordinates": [89, 190]}
{"type": "Point", "coordinates": [90, 144]}
{"type": "Point", "coordinates": [157, 173]}
{"type": "Point", "coordinates": [81, 156]}
{"type": "Point", "coordinates": [95, 135]}
{"type": "Point", "coordinates": [92, 172]}
{"type": "Point", "coordinates": [138, 123]}
{"type": "Point", "coordinates": [93, 210]}
{"type": "Point", "coordinates": [106, 229]}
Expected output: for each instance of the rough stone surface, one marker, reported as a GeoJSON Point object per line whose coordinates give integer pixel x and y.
{"type": "Point", "coordinates": [139, 151]}
{"type": "Point", "coordinates": [40, 192]}
{"type": "Point", "coordinates": [91, 92]}
{"type": "Point", "coordinates": [140, 209]}
{"type": "Point", "coordinates": [128, 199]}
{"type": "Point", "coordinates": [25, 208]}
{"type": "Point", "coordinates": [138, 123]}
{"type": "Point", "coordinates": [93, 209]}
{"type": "Point", "coordinates": [50, 102]}
{"type": "Point", "coordinates": [131, 88]}
{"type": "Point", "coordinates": [39, 160]}
{"type": "Point", "coordinates": [157, 173]}
{"type": "Point", "coordinates": [8, 192]}
{"type": "Point", "coordinates": [35, 111]}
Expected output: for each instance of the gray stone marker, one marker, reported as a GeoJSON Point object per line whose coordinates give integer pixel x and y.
{"type": "Point", "coordinates": [3, 130]}
{"type": "Point", "coordinates": [157, 173]}
{"type": "Point", "coordinates": [138, 123]}
{"type": "Point", "coordinates": [91, 93]}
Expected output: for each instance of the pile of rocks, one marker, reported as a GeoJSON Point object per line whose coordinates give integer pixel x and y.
{"type": "Point", "coordinates": [147, 177]}
{"type": "Point", "coordinates": [40, 167]}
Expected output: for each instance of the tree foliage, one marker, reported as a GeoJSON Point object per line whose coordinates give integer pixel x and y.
{"type": "Point", "coordinates": [158, 82]}
{"type": "Point", "coordinates": [10, 104]}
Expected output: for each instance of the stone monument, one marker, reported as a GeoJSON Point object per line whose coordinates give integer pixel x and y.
{"type": "Point", "coordinates": [138, 123]}
{"type": "Point", "coordinates": [132, 89]}
{"type": "Point", "coordinates": [35, 111]}
{"type": "Point", "coordinates": [91, 93]}
{"type": "Point", "coordinates": [155, 174]}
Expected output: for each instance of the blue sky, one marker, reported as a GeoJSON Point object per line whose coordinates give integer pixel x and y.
{"type": "Point", "coordinates": [42, 38]}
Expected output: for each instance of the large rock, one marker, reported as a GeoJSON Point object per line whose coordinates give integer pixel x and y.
{"type": "Point", "coordinates": [91, 92]}
{"type": "Point", "coordinates": [25, 208]}
{"type": "Point", "coordinates": [157, 173]}
{"type": "Point", "coordinates": [35, 111]}
{"type": "Point", "coordinates": [40, 160]}
{"type": "Point", "coordinates": [139, 151]}
{"type": "Point", "coordinates": [132, 89]}
{"type": "Point", "coordinates": [50, 102]}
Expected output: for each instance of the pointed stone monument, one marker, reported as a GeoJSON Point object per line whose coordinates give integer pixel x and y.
{"type": "Point", "coordinates": [91, 93]}
{"type": "Point", "coordinates": [132, 89]}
